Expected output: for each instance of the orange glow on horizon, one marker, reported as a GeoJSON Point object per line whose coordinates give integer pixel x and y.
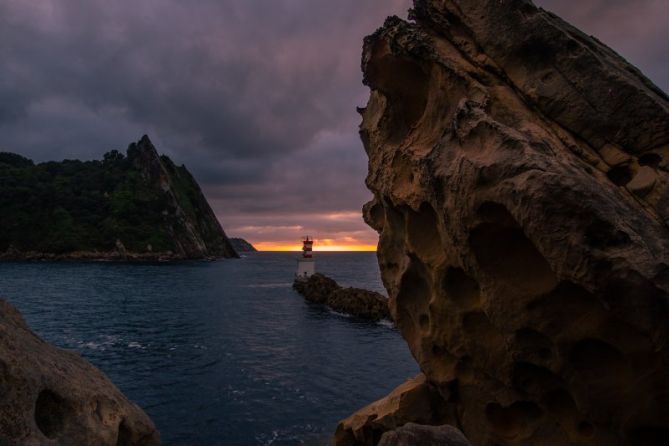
{"type": "Point", "coordinates": [324, 247]}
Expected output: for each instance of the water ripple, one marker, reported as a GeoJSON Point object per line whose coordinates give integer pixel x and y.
{"type": "Point", "coordinates": [219, 352]}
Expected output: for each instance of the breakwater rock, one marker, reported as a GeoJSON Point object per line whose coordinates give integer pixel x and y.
{"type": "Point", "coordinates": [354, 301]}
{"type": "Point", "coordinates": [521, 194]}
{"type": "Point", "coordinates": [50, 396]}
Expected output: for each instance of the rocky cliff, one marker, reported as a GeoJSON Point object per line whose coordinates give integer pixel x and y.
{"type": "Point", "coordinates": [519, 169]}
{"type": "Point", "coordinates": [50, 396]}
{"type": "Point", "coordinates": [242, 245]}
{"type": "Point", "coordinates": [137, 206]}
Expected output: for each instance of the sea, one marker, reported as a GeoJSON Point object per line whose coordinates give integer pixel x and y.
{"type": "Point", "coordinates": [219, 353]}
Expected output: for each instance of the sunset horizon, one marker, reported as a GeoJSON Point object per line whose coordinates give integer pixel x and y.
{"type": "Point", "coordinates": [350, 223]}
{"type": "Point", "coordinates": [281, 247]}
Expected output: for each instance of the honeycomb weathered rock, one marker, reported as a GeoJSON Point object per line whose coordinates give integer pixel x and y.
{"type": "Point", "coordinates": [519, 169]}
{"type": "Point", "coordinates": [50, 396]}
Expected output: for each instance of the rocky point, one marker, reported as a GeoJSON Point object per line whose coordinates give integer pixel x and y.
{"type": "Point", "coordinates": [50, 396]}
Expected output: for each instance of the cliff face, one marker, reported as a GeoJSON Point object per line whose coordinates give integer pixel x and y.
{"type": "Point", "coordinates": [49, 396]}
{"type": "Point", "coordinates": [195, 230]}
{"type": "Point", "coordinates": [139, 206]}
{"type": "Point", "coordinates": [242, 245]}
{"type": "Point", "coordinates": [519, 169]}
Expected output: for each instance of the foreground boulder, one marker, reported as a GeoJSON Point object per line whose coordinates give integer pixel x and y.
{"type": "Point", "coordinates": [50, 396]}
{"type": "Point", "coordinates": [414, 401]}
{"type": "Point", "coordinates": [519, 169]}
{"type": "Point", "coordinates": [354, 301]}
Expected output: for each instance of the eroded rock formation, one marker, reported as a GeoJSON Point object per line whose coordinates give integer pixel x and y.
{"type": "Point", "coordinates": [50, 396]}
{"type": "Point", "coordinates": [357, 302]}
{"type": "Point", "coordinates": [519, 169]}
{"type": "Point", "coordinates": [415, 401]}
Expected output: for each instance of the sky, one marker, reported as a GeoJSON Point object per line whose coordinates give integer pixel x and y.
{"type": "Point", "coordinates": [256, 97]}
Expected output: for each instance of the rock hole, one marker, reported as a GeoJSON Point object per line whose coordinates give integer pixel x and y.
{"type": "Point", "coordinates": [50, 413]}
{"type": "Point", "coordinates": [650, 159]}
{"type": "Point", "coordinates": [536, 52]}
{"type": "Point", "coordinates": [438, 350]}
{"type": "Point", "coordinates": [586, 429]}
{"type": "Point", "coordinates": [602, 234]}
{"type": "Point", "coordinates": [560, 403]}
{"type": "Point", "coordinates": [412, 301]}
{"type": "Point", "coordinates": [595, 355]}
{"type": "Point", "coordinates": [620, 175]}
{"type": "Point", "coordinates": [491, 212]}
{"type": "Point", "coordinates": [533, 380]}
{"type": "Point", "coordinates": [507, 255]}
{"type": "Point", "coordinates": [482, 337]}
{"type": "Point", "coordinates": [424, 322]}
{"type": "Point", "coordinates": [649, 436]}
{"type": "Point", "coordinates": [405, 84]}
{"type": "Point", "coordinates": [533, 346]}
{"type": "Point", "coordinates": [513, 420]}
{"type": "Point", "coordinates": [4, 375]}
{"type": "Point", "coordinates": [461, 289]}
{"type": "Point", "coordinates": [124, 434]}
{"type": "Point", "coordinates": [564, 309]}
{"type": "Point", "coordinates": [423, 232]}
{"type": "Point", "coordinates": [453, 391]}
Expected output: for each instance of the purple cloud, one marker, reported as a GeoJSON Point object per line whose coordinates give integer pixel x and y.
{"type": "Point", "coordinates": [256, 97]}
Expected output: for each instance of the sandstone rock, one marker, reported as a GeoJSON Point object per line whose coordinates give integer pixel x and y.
{"type": "Point", "coordinates": [644, 181]}
{"type": "Point", "coordinates": [412, 434]}
{"type": "Point", "coordinates": [360, 303]}
{"type": "Point", "coordinates": [414, 401]}
{"type": "Point", "coordinates": [529, 282]}
{"type": "Point", "coordinates": [50, 396]}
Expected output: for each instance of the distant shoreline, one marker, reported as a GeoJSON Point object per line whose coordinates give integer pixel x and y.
{"type": "Point", "coordinates": [96, 256]}
{"type": "Point", "coordinates": [116, 257]}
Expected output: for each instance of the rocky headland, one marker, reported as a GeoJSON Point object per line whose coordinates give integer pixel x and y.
{"type": "Point", "coordinates": [240, 245]}
{"type": "Point", "coordinates": [50, 396]}
{"type": "Point", "coordinates": [363, 304]}
{"type": "Point", "coordinates": [138, 206]}
{"type": "Point", "coordinates": [521, 194]}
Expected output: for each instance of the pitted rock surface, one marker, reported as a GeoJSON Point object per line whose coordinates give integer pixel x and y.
{"type": "Point", "coordinates": [519, 169]}
{"type": "Point", "coordinates": [50, 396]}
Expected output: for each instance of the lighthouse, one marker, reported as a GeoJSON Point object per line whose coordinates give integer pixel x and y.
{"type": "Point", "coordinates": [305, 263]}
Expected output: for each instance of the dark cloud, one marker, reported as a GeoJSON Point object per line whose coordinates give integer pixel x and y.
{"type": "Point", "coordinates": [256, 97]}
{"type": "Point", "coordinates": [637, 29]}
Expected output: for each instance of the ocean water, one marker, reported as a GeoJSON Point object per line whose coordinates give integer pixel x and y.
{"type": "Point", "coordinates": [219, 353]}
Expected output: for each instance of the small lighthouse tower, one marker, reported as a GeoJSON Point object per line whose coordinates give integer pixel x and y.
{"type": "Point", "coordinates": [305, 263]}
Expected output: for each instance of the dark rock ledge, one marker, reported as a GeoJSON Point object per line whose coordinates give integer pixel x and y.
{"type": "Point", "coordinates": [354, 301]}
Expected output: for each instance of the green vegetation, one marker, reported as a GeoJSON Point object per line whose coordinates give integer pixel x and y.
{"type": "Point", "coordinates": [139, 199]}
